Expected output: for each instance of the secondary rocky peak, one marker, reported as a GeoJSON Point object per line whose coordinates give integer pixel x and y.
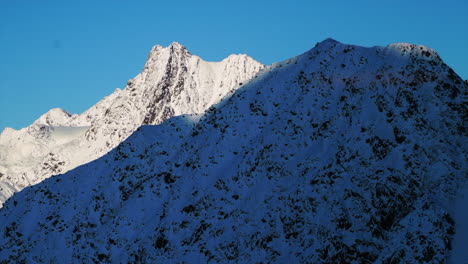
{"type": "Point", "coordinates": [330, 41]}
{"type": "Point", "coordinates": [57, 111]}
{"type": "Point", "coordinates": [54, 117]}
{"type": "Point", "coordinates": [156, 48]}
{"type": "Point", "coordinates": [239, 57]}
{"type": "Point", "coordinates": [416, 51]}
{"type": "Point", "coordinates": [413, 51]}
{"type": "Point", "coordinates": [325, 44]}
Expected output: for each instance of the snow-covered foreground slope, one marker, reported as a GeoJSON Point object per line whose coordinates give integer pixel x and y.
{"type": "Point", "coordinates": [172, 82]}
{"type": "Point", "coordinates": [460, 240]}
{"type": "Point", "coordinates": [343, 154]}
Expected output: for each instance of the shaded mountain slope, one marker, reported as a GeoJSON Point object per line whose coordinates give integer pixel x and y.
{"type": "Point", "coordinates": [343, 154]}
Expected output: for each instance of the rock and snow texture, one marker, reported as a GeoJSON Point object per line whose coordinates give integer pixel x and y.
{"type": "Point", "coordinates": [172, 82]}
{"type": "Point", "coordinates": [460, 240]}
{"type": "Point", "coordinates": [343, 154]}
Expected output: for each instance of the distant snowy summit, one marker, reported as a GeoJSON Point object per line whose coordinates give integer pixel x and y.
{"type": "Point", "coordinates": [343, 154]}
{"type": "Point", "coordinates": [172, 82]}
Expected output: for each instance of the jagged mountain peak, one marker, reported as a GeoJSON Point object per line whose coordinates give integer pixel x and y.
{"type": "Point", "coordinates": [177, 53]}
{"type": "Point", "coordinates": [174, 46]}
{"type": "Point", "coordinates": [177, 46]}
{"type": "Point", "coordinates": [172, 82]}
{"type": "Point", "coordinates": [159, 56]}
{"type": "Point", "coordinates": [326, 43]}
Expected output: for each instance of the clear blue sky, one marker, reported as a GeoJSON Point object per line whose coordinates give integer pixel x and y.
{"type": "Point", "coordinates": [70, 54]}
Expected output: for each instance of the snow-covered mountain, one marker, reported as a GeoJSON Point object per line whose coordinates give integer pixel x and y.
{"type": "Point", "coordinates": [172, 82]}
{"type": "Point", "coordinates": [343, 154]}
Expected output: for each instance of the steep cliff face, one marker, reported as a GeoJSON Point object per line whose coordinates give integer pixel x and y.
{"type": "Point", "coordinates": [172, 82]}
{"type": "Point", "coordinates": [343, 154]}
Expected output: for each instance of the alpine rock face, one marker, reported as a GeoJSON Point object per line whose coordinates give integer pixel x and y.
{"type": "Point", "coordinates": [343, 154]}
{"type": "Point", "coordinates": [172, 82]}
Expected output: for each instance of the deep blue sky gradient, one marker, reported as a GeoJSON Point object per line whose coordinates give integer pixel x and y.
{"type": "Point", "coordinates": [70, 54]}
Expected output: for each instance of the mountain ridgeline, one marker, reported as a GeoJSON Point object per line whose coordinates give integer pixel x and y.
{"type": "Point", "coordinates": [343, 154]}
{"type": "Point", "coordinates": [172, 82]}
